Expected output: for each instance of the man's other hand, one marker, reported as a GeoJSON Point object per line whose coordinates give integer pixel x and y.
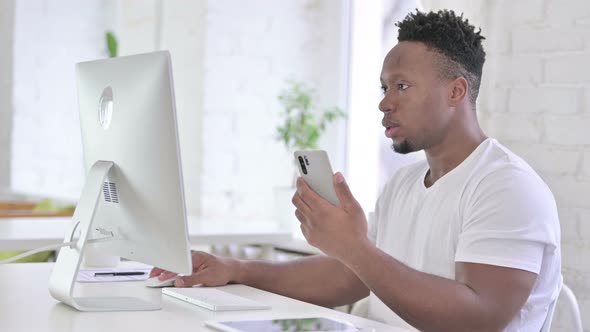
{"type": "Point", "coordinates": [208, 270]}
{"type": "Point", "coordinates": [334, 230]}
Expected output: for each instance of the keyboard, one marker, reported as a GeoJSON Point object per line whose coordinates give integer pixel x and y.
{"type": "Point", "coordinates": [213, 299]}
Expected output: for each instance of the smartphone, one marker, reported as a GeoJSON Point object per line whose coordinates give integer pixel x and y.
{"type": "Point", "coordinates": [314, 167]}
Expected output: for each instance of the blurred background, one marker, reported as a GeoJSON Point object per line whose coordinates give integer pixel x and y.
{"type": "Point", "coordinates": [231, 61]}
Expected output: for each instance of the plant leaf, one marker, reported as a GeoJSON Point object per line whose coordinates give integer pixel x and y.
{"type": "Point", "coordinates": [112, 44]}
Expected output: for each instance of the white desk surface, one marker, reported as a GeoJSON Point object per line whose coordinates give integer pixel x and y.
{"type": "Point", "coordinates": [25, 305]}
{"type": "Point", "coordinates": [31, 233]}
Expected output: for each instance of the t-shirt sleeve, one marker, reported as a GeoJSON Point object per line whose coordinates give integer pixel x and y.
{"type": "Point", "coordinates": [509, 221]}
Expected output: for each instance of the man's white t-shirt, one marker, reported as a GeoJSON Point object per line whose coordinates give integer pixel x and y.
{"type": "Point", "coordinates": [491, 209]}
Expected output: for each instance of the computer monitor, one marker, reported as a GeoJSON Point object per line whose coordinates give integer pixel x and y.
{"type": "Point", "coordinates": [133, 196]}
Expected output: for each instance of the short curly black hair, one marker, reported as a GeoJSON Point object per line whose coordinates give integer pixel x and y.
{"type": "Point", "coordinates": [451, 36]}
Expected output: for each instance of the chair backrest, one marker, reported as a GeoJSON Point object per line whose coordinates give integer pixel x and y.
{"type": "Point", "coordinates": [572, 308]}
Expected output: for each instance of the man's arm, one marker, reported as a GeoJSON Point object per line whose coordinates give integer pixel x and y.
{"type": "Point", "coordinates": [481, 298]}
{"type": "Point", "coordinates": [318, 279]}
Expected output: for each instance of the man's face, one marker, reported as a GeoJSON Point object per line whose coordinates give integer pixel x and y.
{"type": "Point", "coordinates": [415, 101]}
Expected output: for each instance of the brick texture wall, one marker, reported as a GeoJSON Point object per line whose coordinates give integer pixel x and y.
{"type": "Point", "coordinates": [6, 60]}
{"type": "Point", "coordinates": [49, 37]}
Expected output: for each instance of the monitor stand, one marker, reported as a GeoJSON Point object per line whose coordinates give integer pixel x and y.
{"type": "Point", "coordinates": [65, 271]}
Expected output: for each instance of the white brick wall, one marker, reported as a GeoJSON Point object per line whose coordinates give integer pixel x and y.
{"type": "Point", "coordinates": [526, 39]}
{"type": "Point", "coordinates": [586, 165]}
{"type": "Point", "coordinates": [536, 155]}
{"type": "Point", "coordinates": [567, 130]}
{"type": "Point", "coordinates": [571, 230]}
{"type": "Point", "coordinates": [183, 33]}
{"type": "Point", "coordinates": [5, 148]}
{"type": "Point", "coordinates": [569, 191]}
{"type": "Point", "coordinates": [551, 100]}
{"type": "Point", "coordinates": [559, 12]}
{"type": "Point", "coordinates": [522, 12]}
{"type": "Point", "coordinates": [571, 68]}
{"type": "Point", "coordinates": [520, 69]}
{"type": "Point", "coordinates": [49, 37]}
{"type": "Point", "coordinates": [584, 227]}
{"type": "Point", "coordinates": [6, 36]}
{"type": "Point", "coordinates": [515, 127]}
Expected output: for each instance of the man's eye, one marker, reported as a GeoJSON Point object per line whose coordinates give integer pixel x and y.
{"type": "Point", "coordinates": [383, 88]}
{"type": "Point", "coordinates": [402, 86]}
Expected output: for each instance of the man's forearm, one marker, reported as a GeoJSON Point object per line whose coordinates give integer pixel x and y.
{"type": "Point", "coordinates": [427, 302]}
{"type": "Point", "coordinates": [318, 279]}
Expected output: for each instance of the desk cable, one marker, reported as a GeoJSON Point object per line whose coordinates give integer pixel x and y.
{"type": "Point", "coordinates": [53, 247]}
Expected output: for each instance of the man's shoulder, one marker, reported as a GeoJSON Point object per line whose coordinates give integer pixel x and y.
{"type": "Point", "coordinates": [499, 161]}
{"type": "Point", "coordinates": [501, 170]}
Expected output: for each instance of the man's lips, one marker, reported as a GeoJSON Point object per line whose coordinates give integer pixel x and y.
{"type": "Point", "coordinates": [391, 128]}
{"type": "Point", "coordinates": [391, 131]}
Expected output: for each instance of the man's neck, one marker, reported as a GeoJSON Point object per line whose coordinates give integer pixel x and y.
{"type": "Point", "coordinates": [451, 152]}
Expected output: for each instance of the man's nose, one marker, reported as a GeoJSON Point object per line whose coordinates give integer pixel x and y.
{"type": "Point", "coordinates": [387, 104]}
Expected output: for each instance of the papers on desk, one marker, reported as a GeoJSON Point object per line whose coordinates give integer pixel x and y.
{"type": "Point", "coordinates": [88, 275]}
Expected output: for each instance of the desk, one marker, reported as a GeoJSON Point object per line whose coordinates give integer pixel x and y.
{"type": "Point", "coordinates": [25, 305]}
{"type": "Point", "coordinates": [32, 233]}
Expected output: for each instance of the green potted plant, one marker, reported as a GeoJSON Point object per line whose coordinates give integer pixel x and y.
{"type": "Point", "coordinates": [302, 123]}
{"type": "Point", "coordinates": [301, 128]}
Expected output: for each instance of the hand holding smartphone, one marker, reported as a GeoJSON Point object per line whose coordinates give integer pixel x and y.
{"type": "Point", "coordinates": [314, 167]}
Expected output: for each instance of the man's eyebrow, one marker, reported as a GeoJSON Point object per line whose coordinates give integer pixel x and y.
{"type": "Point", "coordinates": [393, 77]}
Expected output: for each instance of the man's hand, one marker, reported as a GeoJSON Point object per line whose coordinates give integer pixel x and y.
{"type": "Point", "coordinates": [337, 231]}
{"type": "Point", "coordinates": [208, 270]}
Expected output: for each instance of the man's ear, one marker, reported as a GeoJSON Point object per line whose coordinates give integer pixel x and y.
{"type": "Point", "coordinates": [458, 90]}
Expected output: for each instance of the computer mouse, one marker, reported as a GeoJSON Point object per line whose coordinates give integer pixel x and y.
{"type": "Point", "coordinates": [155, 282]}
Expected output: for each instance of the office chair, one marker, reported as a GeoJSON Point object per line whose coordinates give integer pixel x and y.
{"type": "Point", "coordinates": [571, 305]}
